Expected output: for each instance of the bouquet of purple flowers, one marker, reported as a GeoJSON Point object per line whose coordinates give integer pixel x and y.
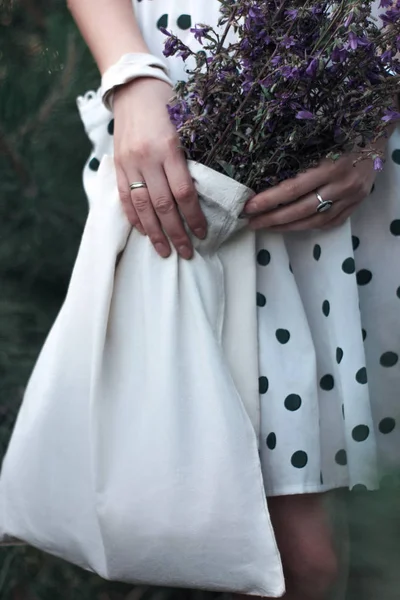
{"type": "Point", "coordinates": [303, 80]}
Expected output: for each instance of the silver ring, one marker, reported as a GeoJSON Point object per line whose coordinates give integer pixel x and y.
{"type": "Point", "coordinates": [137, 184]}
{"type": "Point", "coordinates": [323, 205]}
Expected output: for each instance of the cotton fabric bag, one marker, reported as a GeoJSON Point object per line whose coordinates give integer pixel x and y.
{"type": "Point", "coordinates": [134, 453]}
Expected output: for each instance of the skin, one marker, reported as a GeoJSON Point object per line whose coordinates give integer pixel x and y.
{"type": "Point", "coordinates": [143, 153]}
{"type": "Point", "coordinates": [341, 182]}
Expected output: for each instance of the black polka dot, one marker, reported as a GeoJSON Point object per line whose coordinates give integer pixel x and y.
{"type": "Point", "coordinates": [326, 308]}
{"type": "Point", "coordinates": [363, 276]}
{"type": "Point", "coordinates": [282, 335]}
{"type": "Point", "coordinates": [359, 487]}
{"type": "Point", "coordinates": [292, 402]}
{"type": "Point", "coordinates": [271, 441]}
{"type": "Point", "coordinates": [317, 252]}
{"type": "Point", "coordinates": [163, 21]}
{"type": "Point", "coordinates": [339, 355]}
{"type": "Point", "coordinates": [387, 425]}
{"type": "Point", "coordinates": [395, 227]}
{"type": "Point", "coordinates": [361, 375]}
{"type": "Point", "coordinates": [398, 292]}
{"type": "Point", "coordinates": [364, 334]}
{"type": "Point", "coordinates": [327, 383]}
{"type": "Point", "coordinates": [263, 385]}
{"type": "Point", "coordinates": [184, 21]}
{"type": "Point", "coordinates": [263, 258]}
{"type": "Point", "coordinates": [261, 299]}
{"type": "Point", "coordinates": [299, 459]}
{"type": "Point", "coordinates": [348, 266]}
{"type": "Point", "coordinates": [360, 433]}
{"type": "Point", "coordinates": [343, 411]}
{"type": "Point", "coordinates": [389, 359]}
{"type": "Point", "coordinates": [94, 164]}
{"type": "Point", "coordinates": [396, 156]}
{"type": "Point", "coordinates": [341, 457]}
{"type": "Point", "coordinates": [355, 241]}
{"type": "Point", "coordinates": [321, 478]}
{"type": "Point", "coordinates": [110, 127]}
{"type": "Point", "coordinates": [290, 268]}
{"type": "Point", "coordinates": [372, 189]}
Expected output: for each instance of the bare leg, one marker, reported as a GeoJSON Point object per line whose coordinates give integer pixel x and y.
{"type": "Point", "coordinates": [305, 540]}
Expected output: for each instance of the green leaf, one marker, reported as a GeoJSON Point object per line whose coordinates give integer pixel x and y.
{"type": "Point", "coordinates": [229, 169]}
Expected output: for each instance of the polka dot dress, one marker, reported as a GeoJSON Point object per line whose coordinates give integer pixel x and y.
{"type": "Point", "coordinates": [328, 311]}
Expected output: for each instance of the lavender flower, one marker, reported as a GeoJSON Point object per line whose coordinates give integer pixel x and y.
{"type": "Point", "coordinates": [299, 83]}
{"type": "Point", "coordinates": [200, 32]}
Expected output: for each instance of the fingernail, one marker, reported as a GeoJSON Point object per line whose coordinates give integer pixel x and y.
{"type": "Point", "coordinates": [185, 252]}
{"type": "Point", "coordinates": [200, 233]}
{"type": "Point", "coordinates": [162, 250]}
{"type": "Point", "coordinates": [251, 209]}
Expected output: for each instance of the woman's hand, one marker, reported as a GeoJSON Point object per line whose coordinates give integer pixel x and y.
{"type": "Point", "coordinates": [292, 205]}
{"type": "Point", "coordinates": [146, 148]}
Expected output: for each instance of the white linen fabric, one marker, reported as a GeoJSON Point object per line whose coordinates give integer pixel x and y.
{"type": "Point", "coordinates": [328, 315]}
{"type": "Point", "coordinates": [133, 454]}
{"type": "Point", "coordinates": [131, 66]}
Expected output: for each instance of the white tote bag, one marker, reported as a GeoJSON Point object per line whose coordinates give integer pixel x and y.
{"type": "Point", "coordinates": [134, 453]}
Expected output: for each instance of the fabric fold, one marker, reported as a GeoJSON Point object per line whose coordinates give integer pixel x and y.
{"type": "Point", "coordinates": [135, 451]}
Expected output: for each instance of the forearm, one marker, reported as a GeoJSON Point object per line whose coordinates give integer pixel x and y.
{"type": "Point", "coordinates": [109, 28]}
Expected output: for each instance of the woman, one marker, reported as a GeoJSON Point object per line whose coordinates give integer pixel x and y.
{"type": "Point", "coordinates": [319, 430]}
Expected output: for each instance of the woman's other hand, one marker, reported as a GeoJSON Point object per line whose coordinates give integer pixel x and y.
{"type": "Point", "coordinates": [292, 205]}
{"type": "Point", "coordinates": [146, 148]}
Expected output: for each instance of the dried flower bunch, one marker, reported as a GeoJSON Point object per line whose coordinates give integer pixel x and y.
{"type": "Point", "coordinates": [303, 80]}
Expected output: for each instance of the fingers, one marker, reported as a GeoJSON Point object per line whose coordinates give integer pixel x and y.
{"type": "Point", "coordinates": [185, 194]}
{"type": "Point", "coordinates": [162, 212]}
{"type": "Point", "coordinates": [291, 189]}
{"type": "Point", "coordinates": [303, 214]}
{"type": "Point", "coordinates": [125, 197]}
{"type": "Point", "coordinates": [318, 220]}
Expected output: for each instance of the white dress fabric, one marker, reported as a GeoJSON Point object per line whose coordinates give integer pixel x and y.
{"type": "Point", "coordinates": [328, 315]}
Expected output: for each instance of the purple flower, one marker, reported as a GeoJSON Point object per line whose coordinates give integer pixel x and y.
{"type": "Point", "coordinates": [178, 113]}
{"type": "Point", "coordinates": [276, 60]}
{"type": "Point", "coordinates": [339, 55]}
{"type": "Point", "coordinates": [286, 71]}
{"type": "Point", "coordinates": [385, 3]}
{"type": "Point", "coordinates": [305, 115]}
{"type": "Point", "coordinates": [317, 9]}
{"type": "Point", "coordinates": [378, 163]}
{"type": "Point", "coordinates": [353, 40]}
{"type": "Point", "coordinates": [245, 44]}
{"type": "Point", "coordinates": [184, 52]}
{"type": "Point", "coordinates": [171, 45]}
{"type": "Point", "coordinates": [390, 16]}
{"type": "Point", "coordinates": [288, 41]}
{"type": "Point", "coordinates": [391, 115]}
{"type": "Point", "coordinates": [386, 57]}
{"type": "Point", "coordinates": [200, 32]}
{"type": "Point", "coordinates": [292, 13]}
{"type": "Point", "coordinates": [349, 19]}
{"type": "Point", "coordinates": [312, 67]}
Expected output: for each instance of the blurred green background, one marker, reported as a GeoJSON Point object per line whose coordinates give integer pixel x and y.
{"type": "Point", "coordinates": [44, 66]}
